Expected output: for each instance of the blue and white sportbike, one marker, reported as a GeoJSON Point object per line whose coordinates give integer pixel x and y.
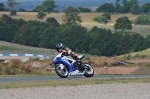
{"type": "Point", "coordinates": [66, 65]}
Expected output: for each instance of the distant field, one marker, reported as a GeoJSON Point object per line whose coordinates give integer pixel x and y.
{"type": "Point", "coordinates": [87, 19]}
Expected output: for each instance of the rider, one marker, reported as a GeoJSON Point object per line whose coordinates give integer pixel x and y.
{"type": "Point", "coordinates": [67, 52]}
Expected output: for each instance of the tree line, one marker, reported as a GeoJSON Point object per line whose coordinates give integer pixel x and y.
{"type": "Point", "coordinates": [97, 41]}
{"type": "Point", "coordinates": [124, 6]}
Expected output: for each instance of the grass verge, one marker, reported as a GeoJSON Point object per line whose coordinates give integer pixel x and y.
{"type": "Point", "coordinates": [69, 82]}
{"type": "Point", "coordinates": [12, 49]}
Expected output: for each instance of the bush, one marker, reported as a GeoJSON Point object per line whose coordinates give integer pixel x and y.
{"type": "Point", "coordinates": [41, 15]}
{"type": "Point", "coordinates": [27, 69]}
{"type": "Point", "coordinates": [101, 19]}
{"type": "Point", "coordinates": [10, 71]}
{"type": "Point", "coordinates": [140, 56]}
{"type": "Point", "coordinates": [128, 57]}
{"type": "Point", "coordinates": [15, 63]}
{"type": "Point", "coordinates": [143, 56]}
{"type": "Point", "coordinates": [13, 12]}
{"type": "Point", "coordinates": [137, 56]}
{"type": "Point", "coordinates": [107, 15]}
{"type": "Point", "coordinates": [1, 70]}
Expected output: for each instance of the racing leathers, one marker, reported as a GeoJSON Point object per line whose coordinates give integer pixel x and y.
{"type": "Point", "coordinates": [68, 52]}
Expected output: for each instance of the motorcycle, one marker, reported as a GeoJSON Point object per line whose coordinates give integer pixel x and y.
{"type": "Point", "coordinates": [65, 65]}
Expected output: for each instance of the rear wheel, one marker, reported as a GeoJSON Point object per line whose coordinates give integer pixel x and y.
{"type": "Point", "coordinates": [89, 71]}
{"type": "Point", "coordinates": [61, 70]}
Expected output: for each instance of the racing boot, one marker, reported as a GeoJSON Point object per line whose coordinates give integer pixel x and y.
{"type": "Point", "coordinates": [76, 72]}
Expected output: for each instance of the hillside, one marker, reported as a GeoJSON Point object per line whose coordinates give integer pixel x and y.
{"type": "Point", "coordinates": [12, 48]}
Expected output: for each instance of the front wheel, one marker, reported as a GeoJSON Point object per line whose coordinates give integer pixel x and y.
{"type": "Point", "coordinates": [61, 70]}
{"type": "Point", "coordinates": [89, 71]}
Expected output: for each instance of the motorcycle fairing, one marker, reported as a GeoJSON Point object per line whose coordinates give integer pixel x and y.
{"type": "Point", "coordinates": [64, 61]}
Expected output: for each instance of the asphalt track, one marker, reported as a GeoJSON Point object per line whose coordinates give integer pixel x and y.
{"type": "Point", "coordinates": [49, 78]}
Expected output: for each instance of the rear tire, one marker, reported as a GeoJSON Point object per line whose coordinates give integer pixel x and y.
{"type": "Point", "coordinates": [61, 70]}
{"type": "Point", "coordinates": [89, 72]}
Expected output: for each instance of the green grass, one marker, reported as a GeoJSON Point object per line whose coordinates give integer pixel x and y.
{"type": "Point", "coordinates": [8, 49]}
{"type": "Point", "coordinates": [69, 82]}
{"type": "Point", "coordinates": [12, 48]}
{"type": "Point", "coordinates": [144, 52]}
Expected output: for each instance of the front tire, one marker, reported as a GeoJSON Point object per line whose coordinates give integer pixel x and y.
{"type": "Point", "coordinates": [61, 70]}
{"type": "Point", "coordinates": [89, 72]}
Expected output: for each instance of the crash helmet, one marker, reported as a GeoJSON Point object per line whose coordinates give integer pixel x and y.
{"type": "Point", "coordinates": [59, 47]}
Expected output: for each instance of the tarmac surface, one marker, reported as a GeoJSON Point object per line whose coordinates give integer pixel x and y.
{"type": "Point", "coordinates": [45, 78]}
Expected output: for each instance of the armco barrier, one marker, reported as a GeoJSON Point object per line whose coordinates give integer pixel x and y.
{"type": "Point", "coordinates": [26, 55]}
